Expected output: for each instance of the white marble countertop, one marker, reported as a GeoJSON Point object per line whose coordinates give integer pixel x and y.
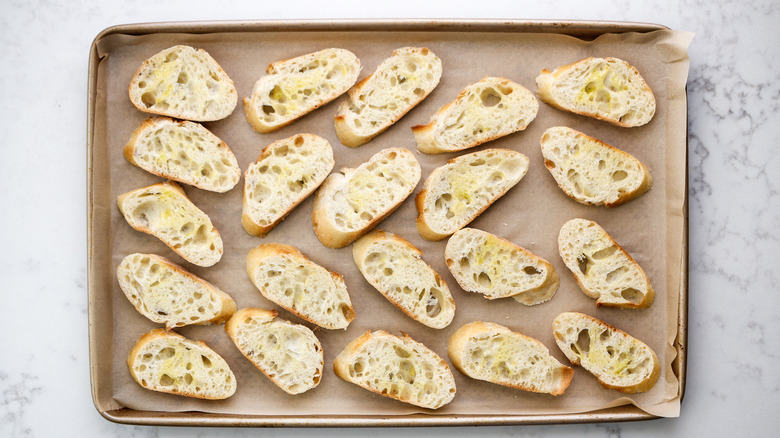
{"type": "Point", "coordinates": [734, 124]}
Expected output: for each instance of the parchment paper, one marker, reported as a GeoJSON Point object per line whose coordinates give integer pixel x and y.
{"type": "Point", "coordinates": [531, 214]}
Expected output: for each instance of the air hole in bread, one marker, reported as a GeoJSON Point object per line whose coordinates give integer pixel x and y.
{"type": "Point", "coordinates": [583, 341]}
{"type": "Point", "coordinates": [616, 274]}
{"type": "Point", "coordinates": [530, 270]}
{"type": "Point", "coordinates": [631, 294]}
{"type": "Point", "coordinates": [146, 357]}
{"type": "Point", "coordinates": [400, 352]}
{"type": "Point", "coordinates": [619, 175]}
{"type": "Point", "coordinates": [583, 263]}
{"type": "Point", "coordinates": [433, 306]}
{"type": "Point", "coordinates": [387, 271]}
{"type": "Point", "coordinates": [148, 100]}
{"type": "Point", "coordinates": [268, 109]}
{"type": "Point", "coordinates": [182, 79]}
{"type": "Point", "coordinates": [166, 353]}
{"type": "Point", "coordinates": [464, 264]}
{"type": "Point", "coordinates": [483, 280]}
{"type": "Point", "coordinates": [490, 97]}
{"type": "Point", "coordinates": [166, 380]}
{"type": "Point", "coordinates": [610, 350]}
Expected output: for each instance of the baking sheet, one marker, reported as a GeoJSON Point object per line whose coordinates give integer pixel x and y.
{"type": "Point", "coordinates": [651, 228]}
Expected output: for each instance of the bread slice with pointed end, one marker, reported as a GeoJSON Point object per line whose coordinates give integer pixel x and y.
{"type": "Point", "coordinates": [184, 83]}
{"type": "Point", "coordinates": [592, 172]}
{"type": "Point", "coordinates": [483, 111]}
{"type": "Point", "coordinates": [497, 268]}
{"type": "Point", "coordinates": [459, 191]}
{"type": "Point", "coordinates": [288, 278]}
{"type": "Point", "coordinates": [397, 367]}
{"type": "Point", "coordinates": [164, 211]}
{"type": "Point", "coordinates": [399, 83]}
{"type": "Point", "coordinates": [167, 294]}
{"type": "Point", "coordinates": [493, 353]}
{"type": "Point", "coordinates": [183, 151]}
{"type": "Point", "coordinates": [351, 203]}
{"type": "Point", "coordinates": [165, 361]}
{"type": "Point", "coordinates": [618, 360]}
{"type": "Point", "coordinates": [607, 89]}
{"type": "Point", "coordinates": [288, 354]}
{"type": "Point", "coordinates": [396, 269]}
{"type": "Point", "coordinates": [285, 174]}
{"type": "Point", "coordinates": [602, 268]}
{"type": "Point", "coordinates": [295, 87]}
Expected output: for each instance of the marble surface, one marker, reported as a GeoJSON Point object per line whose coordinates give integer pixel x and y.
{"type": "Point", "coordinates": [734, 124]}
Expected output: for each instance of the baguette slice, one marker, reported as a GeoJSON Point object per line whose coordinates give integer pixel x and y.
{"type": "Point", "coordinates": [484, 111]}
{"type": "Point", "coordinates": [607, 89]}
{"type": "Point", "coordinates": [493, 353]}
{"type": "Point", "coordinates": [456, 193]}
{"type": "Point", "coordinates": [350, 203]}
{"type": "Point", "coordinates": [184, 83]}
{"type": "Point", "coordinates": [164, 211]}
{"type": "Point", "coordinates": [297, 86]}
{"type": "Point", "coordinates": [288, 354]}
{"type": "Point", "coordinates": [288, 278]}
{"type": "Point", "coordinates": [399, 83]}
{"type": "Point", "coordinates": [602, 268]}
{"type": "Point", "coordinates": [168, 362]}
{"type": "Point", "coordinates": [497, 268]}
{"type": "Point", "coordinates": [618, 360]}
{"type": "Point", "coordinates": [592, 172]}
{"type": "Point", "coordinates": [285, 174]}
{"type": "Point", "coordinates": [167, 294]}
{"type": "Point", "coordinates": [396, 269]}
{"type": "Point", "coordinates": [397, 367]}
{"type": "Point", "coordinates": [183, 151]}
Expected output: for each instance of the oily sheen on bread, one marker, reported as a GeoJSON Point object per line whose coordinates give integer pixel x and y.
{"type": "Point", "coordinates": [397, 367]}
{"type": "Point", "coordinates": [288, 354]}
{"type": "Point", "coordinates": [602, 268]}
{"type": "Point", "coordinates": [618, 360]}
{"type": "Point", "coordinates": [592, 172]}
{"type": "Point", "coordinates": [167, 294]}
{"type": "Point", "coordinates": [497, 268]}
{"type": "Point", "coordinates": [349, 204]}
{"type": "Point", "coordinates": [483, 111]}
{"type": "Point", "coordinates": [183, 151]}
{"type": "Point", "coordinates": [184, 83]}
{"type": "Point", "coordinates": [396, 269]}
{"type": "Point", "coordinates": [288, 278]}
{"type": "Point", "coordinates": [493, 353]}
{"type": "Point", "coordinates": [399, 83]}
{"type": "Point", "coordinates": [459, 191]}
{"type": "Point", "coordinates": [285, 174]}
{"type": "Point", "coordinates": [165, 361]}
{"type": "Point", "coordinates": [164, 211]}
{"type": "Point", "coordinates": [607, 89]}
{"type": "Point", "coordinates": [297, 86]}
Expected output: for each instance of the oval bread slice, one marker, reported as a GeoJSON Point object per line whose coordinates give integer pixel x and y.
{"type": "Point", "coordinates": [397, 367]}
{"type": "Point", "coordinates": [592, 172]}
{"type": "Point", "coordinates": [618, 360]}
{"type": "Point", "coordinates": [288, 278]}
{"type": "Point", "coordinates": [456, 193]}
{"type": "Point", "coordinates": [396, 269]}
{"type": "Point", "coordinates": [285, 174]}
{"type": "Point", "coordinates": [164, 211]}
{"type": "Point", "coordinates": [602, 268]}
{"type": "Point", "coordinates": [497, 268]}
{"type": "Point", "coordinates": [168, 362]}
{"type": "Point", "coordinates": [288, 354]}
{"type": "Point", "coordinates": [184, 83]}
{"type": "Point", "coordinates": [399, 83]}
{"type": "Point", "coordinates": [493, 353]}
{"type": "Point", "coordinates": [183, 151]}
{"type": "Point", "coordinates": [297, 86]}
{"type": "Point", "coordinates": [167, 294]}
{"type": "Point", "coordinates": [607, 89]}
{"type": "Point", "coordinates": [351, 203]}
{"type": "Point", "coordinates": [484, 111]}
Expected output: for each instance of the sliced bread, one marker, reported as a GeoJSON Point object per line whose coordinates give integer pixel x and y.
{"type": "Point", "coordinates": [164, 211]}
{"type": "Point", "coordinates": [285, 174]}
{"type": "Point", "coordinates": [184, 83]}
{"type": "Point", "coordinates": [396, 269]}
{"type": "Point", "coordinates": [489, 109]}
{"type": "Point", "coordinates": [351, 203]}
{"type": "Point", "coordinates": [618, 360]}
{"type": "Point", "coordinates": [397, 367]}
{"type": "Point", "coordinates": [288, 278]}
{"type": "Point", "coordinates": [399, 83]}
{"type": "Point", "coordinates": [459, 191]}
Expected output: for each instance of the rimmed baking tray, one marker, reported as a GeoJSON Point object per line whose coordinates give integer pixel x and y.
{"type": "Point", "coordinates": [107, 128]}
